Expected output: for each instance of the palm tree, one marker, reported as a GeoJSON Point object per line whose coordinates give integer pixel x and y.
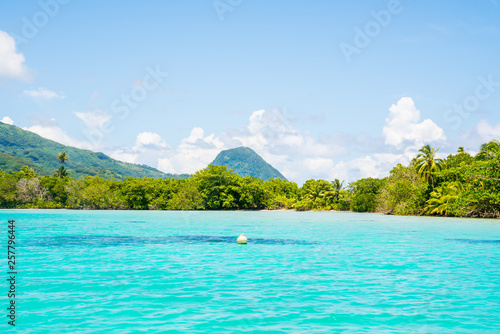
{"type": "Point", "coordinates": [461, 150]}
{"type": "Point", "coordinates": [489, 150]}
{"type": "Point", "coordinates": [442, 197]}
{"type": "Point", "coordinates": [314, 193]}
{"type": "Point", "coordinates": [62, 172]}
{"type": "Point", "coordinates": [337, 187]}
{"type": "Point", "coordinates": [62, 157]}
{"type": "Point", "coordinates": [328, 196]}
{"type": "Point", "coordinates": [427, 164]}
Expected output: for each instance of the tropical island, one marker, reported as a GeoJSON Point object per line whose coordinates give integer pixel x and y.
{"type": "Point", "coordinates": [461, 185]}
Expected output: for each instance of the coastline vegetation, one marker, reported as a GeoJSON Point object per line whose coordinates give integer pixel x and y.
{"type": "Point", "coordinates": [460, 185]}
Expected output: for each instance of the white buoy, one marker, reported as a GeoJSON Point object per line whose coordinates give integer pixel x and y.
{"type": "Point", "coordinates": [241, 239]}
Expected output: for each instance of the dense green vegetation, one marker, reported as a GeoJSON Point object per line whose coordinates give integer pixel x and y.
{"type": "Point", "coordinates": [214, 188]}
{"type": "Point", "coordinates": [245, 162]}
{"type": "Point", "coordinates": [19, 148]}
{"type": "Point", "coordinates": [460, 185]}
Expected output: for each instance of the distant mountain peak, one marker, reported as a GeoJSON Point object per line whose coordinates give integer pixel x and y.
{"type": "Point", "coordinates": [246, 162]}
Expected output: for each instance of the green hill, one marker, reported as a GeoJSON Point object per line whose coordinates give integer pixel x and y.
{"type": "Point", "coordinates": [19, 148]}
{"type": "Point", "coordinates": [245, 162]}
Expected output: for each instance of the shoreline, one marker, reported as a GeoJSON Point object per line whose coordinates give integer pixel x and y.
{"type": "Point", "coordinates": [256, 210]}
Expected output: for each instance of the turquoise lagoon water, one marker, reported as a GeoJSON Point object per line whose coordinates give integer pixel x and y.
{"type": "Point", "coordinates": [183, 272]}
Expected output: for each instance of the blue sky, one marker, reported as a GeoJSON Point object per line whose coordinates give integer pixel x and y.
{"type": "Point", "coordinates": [322, 89]}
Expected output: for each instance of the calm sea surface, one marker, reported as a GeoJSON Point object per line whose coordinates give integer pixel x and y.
{"type": "Point", "coordinates": [183, 272]}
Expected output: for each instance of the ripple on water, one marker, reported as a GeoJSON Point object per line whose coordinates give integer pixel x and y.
{"type": "Point", "coordinates": [113, 240]}
{"type": "Point", "coordinates": [477, 241]}
{"type": "Point", "coordinates": [306, 273]}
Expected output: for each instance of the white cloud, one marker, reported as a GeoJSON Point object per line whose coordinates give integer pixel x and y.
{"type": "Point", "coordinates": [12, 62]}
{"type": "Point", "coordinates": [166, 165]}
{"type": "Point", "coordinates": [403, 129]}
{"type": "Point", "coordinates": [376, 165]}
{"type": "Point", "coordinates": [271, 130]}
{"type": "Point", "coordinates": [7, 120]}
{"type": "Point", "coordinates": [297, 154]}
{"type": "Point", "coordinates": [97, 127]}
{"type": "Point", "coordinates": [149, 140]}
{"type": "Point", "coordinates": [480, 134]}
{"type": "Point", "coordinates": [488, 132]}
{"type": "Point", "coordinates": [149, 148]}
{"type": "Point", "coordinates": [44, 93]}
{"type": "Point", "coordinates": [193, 153]}
{"type": "Point", "coordinates": [269, 133]}
{"type": "Point", "coordinates": [94, 119]}
{"type": "Point", "coordinates": [123, 155]}
{"type": "Point", "coordinates": [50, 130]}
{"type": "Point", "coordinates": [302, 169]}
{"type": "Point", "coordinates": [368, 166]}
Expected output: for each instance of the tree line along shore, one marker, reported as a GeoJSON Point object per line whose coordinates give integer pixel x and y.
{"type": "Point", "coordinates": [461, 185]}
